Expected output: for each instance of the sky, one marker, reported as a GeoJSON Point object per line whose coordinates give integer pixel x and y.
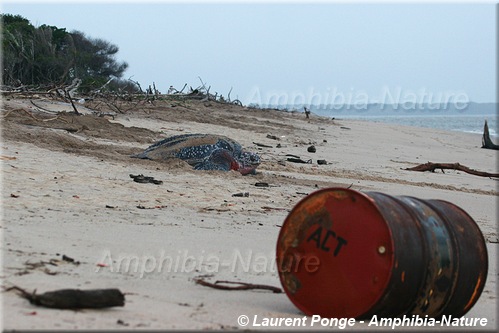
{"type": "Point", "coordinates": [294, 52]}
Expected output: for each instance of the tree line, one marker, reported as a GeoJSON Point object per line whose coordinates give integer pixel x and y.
{"type": "Point", "coordinates": [48, 55]}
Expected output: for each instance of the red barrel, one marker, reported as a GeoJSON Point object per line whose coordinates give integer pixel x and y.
{"type": "Point", "coordinates": [347, 254]}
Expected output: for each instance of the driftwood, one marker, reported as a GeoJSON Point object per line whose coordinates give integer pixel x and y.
{"type": "Point", "coordinates": [68, 96]}
{"type": "Point", "coordinates": [242, 286]}
{"type": "Point", "coordinates": [298, 160]}
{"type": "Point", "coordinates": [486, 141]}
{"type": "Point", "coordinates": [117, 99]}
{"type": "Point", "coordinates": [451, 166]}
{"type": "Point", "coordinates": [74, 298]}
{"type": "Point", "coordinates": [262, 145]}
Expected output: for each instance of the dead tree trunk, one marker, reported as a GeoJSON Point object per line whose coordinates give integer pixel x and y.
{"type": "Point", "coordinates": [486, 141]}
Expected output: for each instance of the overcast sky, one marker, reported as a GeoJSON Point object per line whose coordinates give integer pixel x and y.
{"type": "Point", "coordinates": [317, 52]}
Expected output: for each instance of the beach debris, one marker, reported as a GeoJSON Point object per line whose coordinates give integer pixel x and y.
{"type": "Point", "coordinates": [111, 207]}
{"type": "Point", "coordinates": [321, 162]}
{"type": "Point", "coordinates": [216, 209]}
{"type": "Point", "coordinates": [262, 145]}
{"type": "Point", "coordinates": [122, 323]}
{"type": "Point", "coordinates": [154, 207]}
{"type": "Point", "coordinates": [345, 128]}
{"type": "Point", "coordinates": [403, 224]}
{"type": "Point", "coordinates": [241, 194]}
{"type": "Point", "coordinates": [241, 285]}
{"type": "Point", "coordinates": [273, 137]}
{"type": "Point", "coordinates": [311, 149]}
{"type": "Point", "coordinates": [69, 259]}
{"type": "Point", "coordinates": [486, 141]}
{"type": "Point", "coordinates": [74, 298]}
{"type": "Point", "coordinates": [145, 179]}
{"type": "Point", "coordinates": [262, 184]}
{"type": "Point", "coordinates": [40, 265]}
{"type": "Point", "coordinates": [204, 152]}
{"type": "Point", "coordinates": [201, 93]}
{"type": "Point", "coordinates": [493, 239]}
{"type": "Point", "coordinates": [451, 166]}
{"type": "Point", "coordinates": [7, 158]}
{"type": "Point", "coordinates": [278, 145]}
{"type": "Point", "coordinates": [298, 160]}
{"type": "Point", "coordinates": [267, 208]}
{"type": "Point", "coordinates": [43, 265]}
{"type": "Point", "coordinates": [12, 195]}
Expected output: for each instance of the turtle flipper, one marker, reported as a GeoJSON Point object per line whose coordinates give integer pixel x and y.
{"type": "Point", "coordinates": [220, 159]}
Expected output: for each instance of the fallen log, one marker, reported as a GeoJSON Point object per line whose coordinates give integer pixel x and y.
{"type": "Point", "coordinates": [451, 166]}
{"type": "Point", "coordinates": [486, 141]}
{"type": "Point", "coordinates": [74, 298]}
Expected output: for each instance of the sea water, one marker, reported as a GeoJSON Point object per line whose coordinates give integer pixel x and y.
{"type": "Point", "coordinates": [461, 123]}
{"type": "Point", "coordinates": [470, 119]}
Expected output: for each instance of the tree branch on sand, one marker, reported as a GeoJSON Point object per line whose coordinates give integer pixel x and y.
{"type": "Point", "coordinates": [452, 166]}
{"type": "Point", "coordinates": [241, 285]}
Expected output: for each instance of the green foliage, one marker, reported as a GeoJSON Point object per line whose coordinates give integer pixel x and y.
{"type": "Point", "coordinates": [51, 55]}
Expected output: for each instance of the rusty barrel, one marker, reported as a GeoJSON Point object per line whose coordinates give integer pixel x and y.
{"type": "Point", "coordinates": [342, 253]}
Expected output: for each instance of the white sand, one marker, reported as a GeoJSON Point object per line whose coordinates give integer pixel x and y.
{"type": "Point", "coordinates": [61, 209]}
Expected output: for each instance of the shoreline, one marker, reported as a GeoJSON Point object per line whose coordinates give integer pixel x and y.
{"type": "Point", "coordinates": [408, 120]}
{"type": "Point", "coordinates": [75, 197]}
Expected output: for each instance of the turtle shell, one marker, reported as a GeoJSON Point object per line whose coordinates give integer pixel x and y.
{"type": "Point", "coordinates": [203, 151]}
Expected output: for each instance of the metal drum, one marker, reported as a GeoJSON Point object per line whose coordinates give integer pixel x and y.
{"type": "Point", "coordinates": [347, 254]}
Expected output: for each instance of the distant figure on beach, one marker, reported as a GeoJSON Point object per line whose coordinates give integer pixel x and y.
{"type": "Point", "coordinates": [204, 152]}
{"type": "Point", "coordinates": [307, 112]}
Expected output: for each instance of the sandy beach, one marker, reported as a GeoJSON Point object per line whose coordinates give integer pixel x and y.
{"type": "Point", "coordinates": [66, 190]}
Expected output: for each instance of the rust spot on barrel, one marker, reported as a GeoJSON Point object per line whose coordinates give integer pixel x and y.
{"type": "Point", "coordinates": [474, 296]}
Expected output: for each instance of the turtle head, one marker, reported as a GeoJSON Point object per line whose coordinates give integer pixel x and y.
{"type": "Point", "coordinates": [248, 162]}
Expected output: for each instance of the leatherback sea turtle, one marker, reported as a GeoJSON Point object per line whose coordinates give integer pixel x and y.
{"type": "Point", "coordinates": [204, 152]}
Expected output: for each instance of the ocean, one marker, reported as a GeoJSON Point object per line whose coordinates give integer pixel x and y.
{"type": "Point", "coordinates": [460, 123]}
{"type": "Point", "coordinates": [470, 119]}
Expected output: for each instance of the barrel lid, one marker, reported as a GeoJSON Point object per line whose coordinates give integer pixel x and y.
{"type": "Point", "coordinates": [335, 254]}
